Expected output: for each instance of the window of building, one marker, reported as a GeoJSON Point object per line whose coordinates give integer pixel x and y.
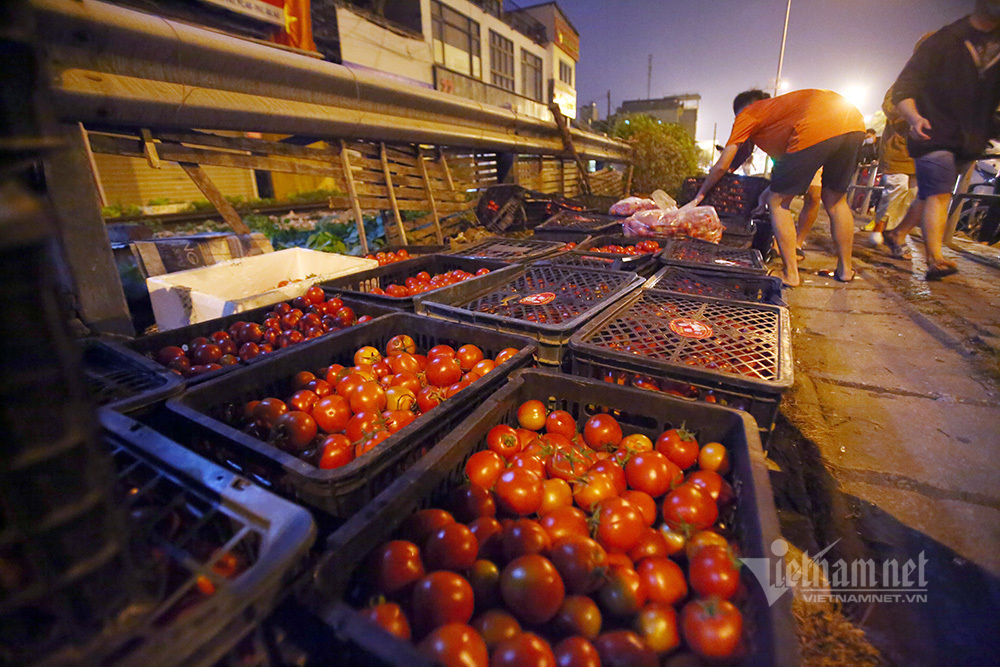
{"type": "Point", "coordinates": [501, 61]}
{"type": "Point", "coordinates": [531, 75]}
{"type": "Point", "coordinates": [565, 72]}
{"type": "Point", "coordinates": [456, 40]}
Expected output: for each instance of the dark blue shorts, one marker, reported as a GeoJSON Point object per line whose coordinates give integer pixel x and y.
{"type": "Point", "coordinates": [937, 173]}
{"type": "Point", "coordinates": [837, 155]}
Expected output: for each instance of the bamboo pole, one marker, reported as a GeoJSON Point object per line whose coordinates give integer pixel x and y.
{"type": "Point", "coordinates": [353, 194]}
{"type": "Point", "coordinates": [214, 195]}
{"type": "Point", "coordinates": [447, 171]}
{"type": "Point", "coordinates": [430, 197]}
{"type": "Point", "coordinates": [392, 195]}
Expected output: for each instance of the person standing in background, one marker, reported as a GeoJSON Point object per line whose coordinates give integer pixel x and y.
{"type": "Point", "coordinates": [898, 174]}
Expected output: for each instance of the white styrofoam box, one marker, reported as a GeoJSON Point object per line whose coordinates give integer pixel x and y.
{"type": "Point", "coordinates": [208, 292]}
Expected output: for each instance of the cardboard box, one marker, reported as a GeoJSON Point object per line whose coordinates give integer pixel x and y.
{"type": "Point", "coordinates": [205, 293]}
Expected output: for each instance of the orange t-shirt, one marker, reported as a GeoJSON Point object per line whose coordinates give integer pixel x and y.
{"type": "Point", "coordinates": [795, 121]}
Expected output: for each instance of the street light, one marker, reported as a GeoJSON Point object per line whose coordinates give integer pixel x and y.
{"type": "Point", "coordinates": [781, 61]}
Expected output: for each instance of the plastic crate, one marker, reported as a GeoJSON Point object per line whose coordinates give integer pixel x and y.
{"type": "Point", "coordinates": [629, 262]}
{"type": "Point", "coordinates": [597, 203]}
{"type": "Point", "coordinates": [124, 381]}
{"type": "Point", "coordinates": [697, 254]}
{"type": "Point", "coordinates": [732, 195]}
{"type": "Point", "coordinates": [143, 348]}
{"type": "Point", "coordinates": [738, 233]}
{"type": "Point", "coordinates": [414, 249]}
{"type": "Point", "coordinates": [546, 301]}
{"type": "Point", "coordinates": [510, 250]}
{"type": "Point", "coordinates": [342, 491]}
{"type": "Point", "coordinates": [736, 287]}
{"type": "Point", "coordinates": [569, 226]}
{"type": "Point", "coordinates": [770, 628]}
{"type": "Point", "coordinates": [215, 552]}
{"type": "Point", "coordinates": [739, 353]}
{"type": "Point", "coordinates": [359, 285]}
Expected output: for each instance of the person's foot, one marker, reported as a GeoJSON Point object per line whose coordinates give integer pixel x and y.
{"type": "Point", "coordinates": [897, 248]}
{"type": "Point", "coordinates": [800, 253]}
{"type": "Point", "coordinates": [790, 281]}
{"type": "Point", "coordinates": [940, 269]}
{"type": "Point", "coordinates": [840, 278]}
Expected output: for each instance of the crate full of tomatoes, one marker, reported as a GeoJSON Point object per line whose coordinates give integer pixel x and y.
{"type": "Point", "coordinates": [702, 255]}
{"type": "Point", "coordinates": [698, 347]}
{"type": "Point", "coordinates": [576, 226]}
{"type": "Point", "coordinates": [394, 285]}
{"type": "Point", "coordinates": [546, 301]}
{"type": "Point", "coordinates": [566, 522]}
{"type": "Point", "coordinates": [205, 350]}
{"type": "Point", "coordinates": [636, 254]}
{"type": "Point", "coordinates": [334, 422]}
{"type": "Point", "coordinates": [733, 286]}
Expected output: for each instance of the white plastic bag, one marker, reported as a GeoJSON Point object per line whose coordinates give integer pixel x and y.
{"type": "Point", "coordinates": [630, 205]}
{"type": "Point", "coordinates": [699, 222]}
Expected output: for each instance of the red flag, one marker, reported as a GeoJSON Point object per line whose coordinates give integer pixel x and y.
{"type": "Point", "coordinates": [298, 26]}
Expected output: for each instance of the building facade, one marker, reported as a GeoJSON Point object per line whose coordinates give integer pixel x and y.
{"type": "Point", "coordinates": [679, 109]}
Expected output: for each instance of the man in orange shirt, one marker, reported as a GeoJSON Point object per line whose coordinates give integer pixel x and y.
{"type": "Point", "coordinates": [802, 131]}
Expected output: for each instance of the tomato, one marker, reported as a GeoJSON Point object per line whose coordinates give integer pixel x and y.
{"type": "Point", "coordinates": [576, 652]}
{"type": "Point", "coordinates": [624, 648]}
{"type": "Point", "coordinates": [528, 462]}
{"type": "Point", "coordinates": [656, 624]}
{"type": "Point", "coordinates": [653, 473]}
{"type": "Point", "coordinates": [712, 628]}
{"type": "Point", "coordinates": [506, 354]}
{"type": "Point", "coordinates": [578, 615]}
{"type": "Point", "coordinates": [335, 451]}
{"type": "Point", "coordinates": [400, 344]}
{"type": "Point", "coordinates": [560, 422]}
{"type": "Point", "coordinates": [602, 432]}
{"type": "Point", "coordinates": [523, 537]}
{"type": "Point", "coordinates": [332, 413]}
{"type": "Point", "coordinates": [663, 579]}
{"type": "Point", "coordinates": [714, 457]}
{"type": "Point", "coordinates": [468, 356]}
{"type": "Point", "coordinates": [167, 354]}
{"type": "Point", "coordinates": [348, 383]}
{"type": "Point", "coordinates": [369, 443]}
{"type": "Point", "coordinates": [455, 645]}
{"type": "Point", "coordinates": [532, 589]}
{"type": "Point", "coordinates": [614, 471]}
{"type": "Point", "coordinates": [206, 354]}
{"type": "Point", "coordinates": [319, 387]}
{"type": "Point", "coordinates": [624, 592]}
{"type": "Point", "coordinates": [523, 649]}
{"type": "Point", "coordinates": [423, 523]}
{"type": "Point", "coordinates": [443, 371]}
{"type": "Point", "coordinates": [367, 356]}
{"type": "Point", "coordinates": [303, 401]}
{"type": "Point", "coordinates": [293, 431]}
{"type": "Point", "coordinates": [567, 463]}
{"type": "Point", "coordinates": [531, 415]}
{"type": "Point", "coordinates": [345, 316]}
{"type": "Point", "coordinates": [593, 489]}
{"type": "Point", "coordinates": [496, 625]}
{"type": "Point", "coordinates": [267, 411]}
{"type": "Point", "coordinates": [688, 507]}
{"type": "Point", "coordinates": [679, 445]}
{"type": "Point", "coordinates": [362, 425]}
{"type": "Point", "coordinates": [565, 521]}
{"type": "Point", "coordinates": [703, 538]}
{"type": "Point", "coordinates": [394, 420]}
{"type": "Point", "coordinates": [708, 481]}
{"type": "Point", "coordinates": [518, 491]}
{"type": "Point", "coordinates": [440, 350]}
{"type": "Point", "coordinates": [440, 598]}
{"type": "Point", "coordinates": [484, 577]}
{"type": "Point", "coordinates": [453, 547]}
{"type": "Point", "coordinates": [395, 566]}
{"type": "Point", "coordinates": [367, 397]}
{"type": "Point", "coordinates": [483, 468]}
{"type": "Point", "coordinates": [651, 544]}
{"type": "Point", "coordinates": [484, 366]}
{"type": "Point", "coordinates": [580, 561]}
{"type": "Point", "coordinates": [644, 503]}
{"type": "Point", "coordinates": [675, 539]}
{"type": "Point", "coordinates": [469, 502]}
{"type": "Point", "coordinates": [390, 617]}
{"type": "Point", "coordinates": [555, 493]}
{"type": "Point", "coordinates": [503, 440]}
{"type": "Point", "coordinates": [429, 398]}
{"type": "Point", "coordinates": [636, 443]}
{"type": "Point", "coordinates": [619, 525]}
{"type": "Point", "coordinates": [714, 571]}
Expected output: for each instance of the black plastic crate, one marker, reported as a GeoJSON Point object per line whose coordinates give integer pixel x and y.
{"type": "Point", "coordinates": [733, 286]}
{"type": "Point", "coordinates": [123, 381]}
{"type": "Point", "coordinates": [732, 195]}
{"type": "Point", "coordinates": [342, 491]}
{"type": "Point", "coordinates": [628, 262]}
{"type": "Point", "coordinates": [214, 551]}
{"type": "Point", "coordinates": [770, 628]}
{"type": "Point", "coordinates": [360, 284]}
{"type": "Point", "coordinates": [739, 231]}
{"type": "Point", "coordinates": [698, 254]}
{"type": "Point", "coordinates": [415, 250]}
{"type": "Point", "coordinates": [569, 226]}
{"type": "Point", "coordinates": [510, 250]}
{"type": "Point", "coordinates": [700, 347]}
{"type": "Point", "coordinates": [546, 301]}
{"type": "Point", "coordinates": [143, 348]}
{"type": "Point", "coordinates": [597, 203]}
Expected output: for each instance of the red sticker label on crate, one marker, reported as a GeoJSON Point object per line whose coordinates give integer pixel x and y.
{"type": "Point", "coordinates": [684, 326]}
{"type": "Point", "coordinates": [539, 299]}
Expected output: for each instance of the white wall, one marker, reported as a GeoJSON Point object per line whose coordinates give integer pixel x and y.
{"type": "Point", "coordinates": [370, 45]}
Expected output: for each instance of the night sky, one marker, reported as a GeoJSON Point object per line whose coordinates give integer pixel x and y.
{"type": "Point", "coordinates": [720, 47]}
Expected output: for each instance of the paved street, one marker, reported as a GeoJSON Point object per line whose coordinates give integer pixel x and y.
{"type": "Point", "coordinates": [890, 439]}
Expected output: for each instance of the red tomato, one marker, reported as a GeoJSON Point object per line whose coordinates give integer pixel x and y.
{"type": "Point", "coordinates": [712, 628]}
{"type": "Point", "coordinates": [367, 397]}
{"type": "Point", "coordinates": [561, 423]}
{"type": "Point", "coordinates": [496, 625]}
{"type": "Point", "coordinates": [429, 398]}
{"type": "Point", "coordinates": [363, 425]}
{"type": "Point", "coordinates": [522, 537]}
{"type": "Point", "coordinates": [400, 344]}
{"type": "Point", "coordinates": [440, 598]}
{"type": "Point", "coordinates": [468, 356]}
{"type": "Point", "coordinates": [332, 413]}
{"type": "Point", "coordinates": [714, 457]}
{"type": "Point", "coordinates": [266, 412]}
{"type": "Point", "coordinates": [688, 507]}
{"type": "Point", "coordinates": [532, 589]}
{"type": "Point", "coordinates": [624, 648]}
{"type": "Point", "coordinates": [440, 350]}
{"type": "Point", "coordinates": [663, 580]}
{"type": "Point", "coordinates": [518, 491]}
{"type": "Point", "coordinates": [303, 401]}
{"type": "Point", "coordinates": [526, 648]}
{"type": "Point", "coordinates": [531, 415]}
{"type": "Point", "coordinates": [576, 652]}
{"type": "Point", "coordinates": [453, 547]}
{"type": "Point", "coordinates": [394, 420]}
{"type": "Point", "coordinates": [489, 535]}
{"type": "Point", "coordinates": [623, 593]}
{"type": "Point", "coordinates": [703, 538]}
{"type": "Point", "coordinates": [455, 645]}
{"type": "Point", "coordinates": [651, 544]}
{"type": "Point", "coordinates": [644, 503]}
{"type": "Point", "coordinates": [335, 451]}
{"type": "Point", "coordinates": [619, 525]}
{"type": "Point", "coordinates": [653, 473]}
{"type": "Point", "coordinates": [614, 471]}
{"type": "Point", "coordinates": [580, 562]}
{"type": "Point", "coordinates": [565, 521]}
{"type": "Point", "coordinates": [602, 432]}
{"type": "Point", "coordinates": [656, 624]}
{"type": "Point", "coordinates": [394, 566]}
{"type": "Point", "coordinates": [503, 440]}
{"type": "Point", "coordinates": [678, 445]}
{"type": "Point", "coordinates": [319, 387]}
{"type": "Point", "coordinates": [708, 481]}
{"type": "Point", "coordinates": [556, 493]}
{"type": "Point", "coordinates": [714, 571]}
{"type": "Point", "coordinates": [390, 617]}
{"type": "Point", "coordinates": [528, 462]}
{"type": "Point", "coordinates": [578, 615]}
{"type": "Point", "coordinates": [567, 463]}
{"type": "Point", "coordinates": [593, 489]}
{"type": "Point", "coordinates": [483, 468]}
{"type": "Point", "coordinates": [506, 354]}
{"type": "Point", "coordinates": [423, 523]}
{"type": "Point", "coordinates": [443, 371]}
{"type": "Point", "coordinates": [293, 431]}
{"type": "Point", "coordinates": [469, 502]}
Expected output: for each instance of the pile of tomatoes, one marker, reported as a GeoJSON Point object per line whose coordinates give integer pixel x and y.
{"type": "Point", "coordinates": [568, 548]}
{"type": "Point", "coordinates": [335, 415]}
{"type": "Point", "coordinates": [640, 248]}
{"type": "Point", "coordinates": [676, 388]}
{"type": "Point", "coordinates": [389, 257]}
{"type": "Point", "coordinates": [305, 317]}
{"type": "Point", "coordinates": [425, 282]}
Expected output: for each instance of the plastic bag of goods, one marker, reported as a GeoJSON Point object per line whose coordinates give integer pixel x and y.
{"type": "Point", "coordinates": [630, 205]}
{"type": "Point", "coordinates": [699, 222]}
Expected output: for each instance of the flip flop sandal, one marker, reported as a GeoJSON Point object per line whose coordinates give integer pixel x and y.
{"type": "Point", "coordinates": [800, 253]}
{"type": "Point", "coordinates": [826, 273]}
{"type": "Point", "coordinates": [939, 271]}
{"type": "Point", "coordinates": [897, 250]}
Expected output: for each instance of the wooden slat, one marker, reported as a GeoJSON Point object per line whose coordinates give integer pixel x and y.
{"type": "Point", "coordinates": [262, 146]}
{"type": "Point", "coordinates": [430, 195]}
{"type": "Point", "coordinates": [214, 195]}
{"type": "Point", "coordinates": [392, 195]}
{"type": "Point", "coordinates": [352, 193]}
